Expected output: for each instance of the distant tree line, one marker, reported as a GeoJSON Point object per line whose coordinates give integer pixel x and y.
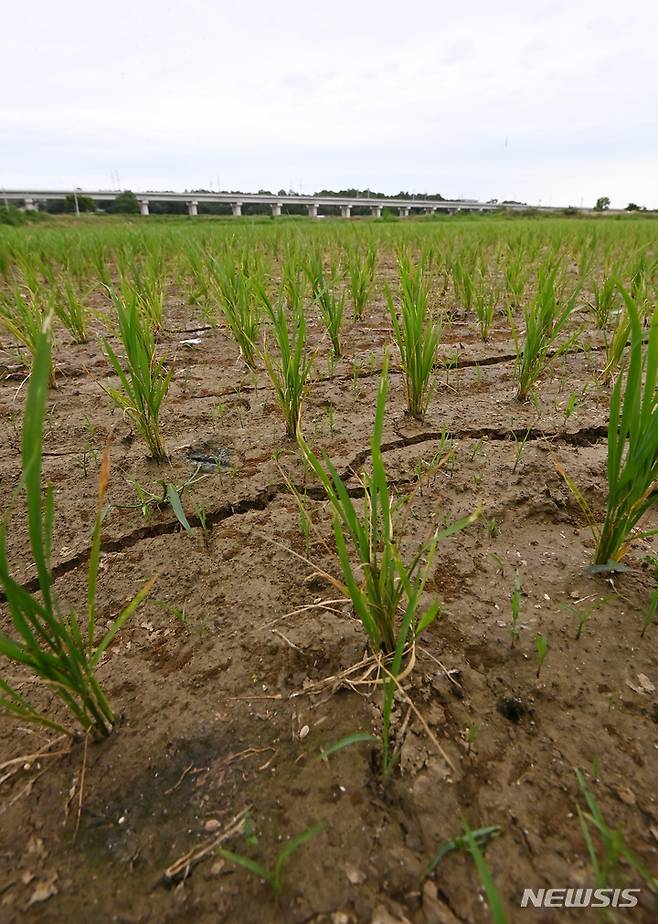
{"type": "Point", "coordinates": [126, 202]}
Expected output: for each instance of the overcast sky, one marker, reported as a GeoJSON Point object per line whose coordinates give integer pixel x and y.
{"type": "Point", "coordinates": [553, 102]}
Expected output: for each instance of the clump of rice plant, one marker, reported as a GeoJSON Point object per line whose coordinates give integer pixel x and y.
{"type": "Point", "coordinates": [360, 268]}
{"type": "Point", "coordinates": [604, 300]}
{"type": "Point", "coordinates": [50, 643]}
{"type": "Point", "coordinates": [613, 852]}
{"type": "Point", "coordinates": [144, 280]}
{"type": "Point", "coordinates": [329, 301]}
{"type": "Point", "coordinates": [272, 876]}
{"type": "Point", "coordinates": [616, 338]}
{"type": "Point", "coordinates": [545, 319]}
{"type": "Point", "coordinates": [240, 306]}
{"type": "Point", "coordinates": [71, 310]}
{"type": "Point", "coordinates": [145, 381]}
{"type": "Point", "coordinates": [417, 333]}
{"type": "Point", "coordinates": [484, 303]}
{"type": "Point", "coordinates": [22, 315]}
{"type": "Point", "coordinates": [378, 598]}
{"type": "Point", "coordinates": [385, 591]}
{"type": "Point", "coordinates": [290, 370]}
{"type": "Point", "coordinates": [632, 447]}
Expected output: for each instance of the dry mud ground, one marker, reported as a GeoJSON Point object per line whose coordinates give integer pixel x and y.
{"type": "Point", "coordinates": [221, 672]}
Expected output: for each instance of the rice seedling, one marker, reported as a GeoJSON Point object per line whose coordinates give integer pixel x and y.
{"type": "Point", "coordinates": [607, 862]}
{"type": "Point", "coordinates": [330, 303]}
{"type": "Point", "coordinates": [144, 281]}
{"type": "Point", "coordinates": [520, 448]}
{"type": "Point", "coordinates": [289, 372]}
{"type": "Point", "coordinates": [484, 303]}
{"type": "Point", "coordinates": [293, 279]}
{"type": "Point", "coordinates": [240, 306]}
{"type": "Point", "coordinates": [616, 339]}
{"type": "Point", "coordinates": [387, 599]}
{"type": "Point", "coordinates": [583, 614]}
{"type": "Point", "coordinates": [632, 448]}
{"type": "Point", "coordinates": [51, 643]}
{"type": "Point", "coordinates": [169, 496]}
{"type": "Point", "coordinates": [22, 315]}
{"type": "Point", "coordinates": [650, 613]}
{"type": "Point", "coordinates": [272, 876]}
{"type": "Point", "coordinates": [417, 333]}
{"type": "Point", "coordinates": [360, 269]}
{"type": "Point", "coordinates": [145, 382]}
{"type": "Point", "coordinates": [346, 742]}
{"type": "Point", "coordinates": [604, 301]}
{"type": "Point", "coordinates": [541, 649]}
{"type": "Point", "coordinates": [493, 898]}
{"type": "Point", "coordinates": [71, 310]}
{"type": "Point", "coordinates": [481, 836]}
{"type": "Point", "coordinates": [516, 606]}
{"type": "Point", "coordinates": [545, 319]}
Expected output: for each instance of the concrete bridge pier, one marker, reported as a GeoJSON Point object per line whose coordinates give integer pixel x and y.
{"type": "Point", "coordinates": [193, 207]}
{"type": "Point", "coordinates": [143, 206]}
{"type": "Point", "coordinates": [236, 208]}
{"type": "Point", "coordinates": [30, 205]}
{"type": "Point", "coordinates": [376, 211]}
{"type": "Point", "coordinates": [345, 211]}
{"type": "Point", "coordinates": [404, 211]}
{"type": "Point", "coordinates": [312, 210]}
{"type": "Point", "coordinates": [276, 209]}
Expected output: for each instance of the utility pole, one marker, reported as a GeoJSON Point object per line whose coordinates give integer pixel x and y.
{"type": "Point", "coordinates": [75, 198]}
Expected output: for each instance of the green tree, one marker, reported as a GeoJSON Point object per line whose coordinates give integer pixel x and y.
{"type": "Point", "coordinates": [85, 204]}
{"type": "Point", "coordinates": [126, 203]}
{"type": "Point", "coordinates": [602, 203]}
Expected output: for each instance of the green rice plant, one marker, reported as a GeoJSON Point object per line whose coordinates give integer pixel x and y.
{"type": "Point", "coordinates": [290, 370]}
{"type": "Point", "coordinates": [144, 281]}
{"type": "Point", "coordinates": [293, 279]}
{"type": "Point", "coordinates": [545, 319]}
{"type": "Point", "coordinates": [71, 310]}
{"type": "Point", "coordinates": [541, 649]}
{"type": "Point", "coordinates": [274, 876]}
{"type": "Point", "coordinates": [516, 606]}
{"type": "Point", "coordinates": [240, 306]}
{"type": "Point", "coordinates": [632, 449]}
{"type": "Point", "coordinates": [632, 442]}
{"type": "Point", "coordinates": [145, 381]}
{"type": "Point", "coordinates": [481, 836]}
{"type": "Point", "coordinates": [462, 281]}
{"type": "Point", "coordinates": [484, 304]}
{"type": "Point", "coordinates": [49, 643]}
{"type": "Point", "coordinates": [607, 862]}
{"type": "Point", "coordinates": [387, 598]}
{"type": "Point", "coordinates": [169, 495]}
{"type": "Point", "coordinates": [417, 333]}
{"type": "Point", "coordinates": [616, 339]}
{"type": "Point", "coordinates": [22, 315]}
{"type": "Point", "coordinates": [324, 291]}
{"type": "Point", "coordinates": [517, 272]}
{"type": "Point", "coordinates": [360, 267]}
{"type": "Point", "coordinates": [493, 897]}
{"type": "Point", "coordinates": [604, 301]}
{"type": "Point", "coordinates": [651, 612]}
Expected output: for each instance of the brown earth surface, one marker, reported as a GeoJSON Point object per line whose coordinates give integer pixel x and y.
{"type": "Point", "coordinates": [221, 678]}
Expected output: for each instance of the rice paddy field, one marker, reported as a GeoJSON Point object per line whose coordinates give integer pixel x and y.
{"type": "Point", "coordinates": [329, 570]}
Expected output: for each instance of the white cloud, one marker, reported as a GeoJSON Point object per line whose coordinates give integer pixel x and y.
{"type": "Point", "coordinates": [551, 101]}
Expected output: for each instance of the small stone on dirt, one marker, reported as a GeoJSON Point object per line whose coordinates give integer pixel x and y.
{"type": "Point", "coordinates": [643, 686]}
{"type": "Point", "coordinates": [355, 875]}
{"type": "Point", "coordinates": [212, 825]}
{"type": "Point", "coordinates": [44, 890]}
